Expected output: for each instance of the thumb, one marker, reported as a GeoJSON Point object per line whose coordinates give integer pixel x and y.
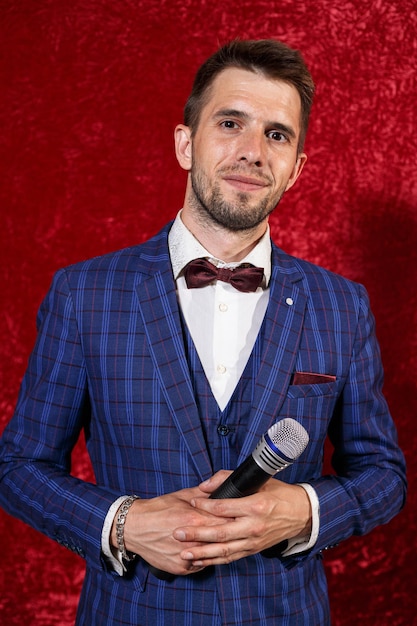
{"type": "Point", "coordinates": [210, 485]}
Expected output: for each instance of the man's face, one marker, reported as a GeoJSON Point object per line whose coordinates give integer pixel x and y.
{"type": "Point", "coordinates": [243, 155]}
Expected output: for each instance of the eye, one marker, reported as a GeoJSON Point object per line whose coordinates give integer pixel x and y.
{"type": "Point", "coordinates": [277, 135]}
{"type": "Point", "coordinates": [229, 124]}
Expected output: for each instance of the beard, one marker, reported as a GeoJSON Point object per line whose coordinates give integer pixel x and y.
{"type": "Point", "coordinates": [211, 206]}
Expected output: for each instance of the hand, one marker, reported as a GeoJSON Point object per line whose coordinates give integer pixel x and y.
{"type": "Point", "coordinates": [278, 511]}
{"type": "Point", "coordinates": [150, 525]}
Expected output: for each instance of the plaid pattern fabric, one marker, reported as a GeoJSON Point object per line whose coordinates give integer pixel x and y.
{"type": "Point", "coordinates": [110, 357]}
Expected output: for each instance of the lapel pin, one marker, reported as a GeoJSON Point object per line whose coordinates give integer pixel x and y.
{"type": "Point", "coordinates": [289, 301]}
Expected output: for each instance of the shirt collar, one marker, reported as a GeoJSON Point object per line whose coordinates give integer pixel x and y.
{"type": "Point", "coordinates": [184, 247]}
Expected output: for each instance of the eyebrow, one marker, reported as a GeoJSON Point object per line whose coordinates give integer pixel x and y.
{"type": "Point", "coordinates": [245, 116]}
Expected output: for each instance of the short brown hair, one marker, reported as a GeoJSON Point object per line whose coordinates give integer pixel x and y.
{"type": "Point", "coordinates": [273, 58]}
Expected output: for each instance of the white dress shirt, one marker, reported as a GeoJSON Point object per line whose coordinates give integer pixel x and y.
{"type": "Point", "coordinates": [222, 321]}
{"type": "Point", "coordinates": [223, 324]}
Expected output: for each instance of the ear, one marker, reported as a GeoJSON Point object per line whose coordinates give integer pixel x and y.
{"type": "Point", "coordinates": [298, 167]}
{"type": "Point", "coordinates": [183, 146]}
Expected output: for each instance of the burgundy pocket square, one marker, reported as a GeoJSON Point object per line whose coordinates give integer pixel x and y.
{"type": "Point", "coordinates": [309, 378]}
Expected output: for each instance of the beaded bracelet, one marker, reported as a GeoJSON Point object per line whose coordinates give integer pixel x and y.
{"type": "Point", "coordinates": [120, 527]}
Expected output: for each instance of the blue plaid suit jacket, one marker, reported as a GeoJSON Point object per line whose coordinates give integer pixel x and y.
{"type": "Point", "coordinates": [109, 359]}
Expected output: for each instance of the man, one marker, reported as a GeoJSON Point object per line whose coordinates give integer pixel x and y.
{"type": "Point", "coordinates": [175, 385]}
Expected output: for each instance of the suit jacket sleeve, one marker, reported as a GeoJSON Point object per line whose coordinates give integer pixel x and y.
{"type": "Point", "coordinates": [35, 451]}
{"type": "Point", "coordinates": [369, 486]}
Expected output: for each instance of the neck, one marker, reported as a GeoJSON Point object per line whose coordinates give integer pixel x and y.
{"type": "Point", "coordinates": [229, 246]}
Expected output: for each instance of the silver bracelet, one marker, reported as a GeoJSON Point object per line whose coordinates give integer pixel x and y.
{"type": "Point", "coordinates": [120, 527]}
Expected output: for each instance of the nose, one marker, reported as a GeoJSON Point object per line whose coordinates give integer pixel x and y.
{"type": "Point", "coordinates": [252, 148]}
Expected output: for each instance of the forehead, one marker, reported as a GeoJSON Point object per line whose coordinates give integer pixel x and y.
{"type": "Point", "coordinates": [253, 93]}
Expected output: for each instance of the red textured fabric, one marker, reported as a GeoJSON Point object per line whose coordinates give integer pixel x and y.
{"type": "Point", "coordinates": [91, 93]}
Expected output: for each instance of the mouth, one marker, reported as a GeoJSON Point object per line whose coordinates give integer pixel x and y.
{"type": "Point", "coordinates": [245, 183]}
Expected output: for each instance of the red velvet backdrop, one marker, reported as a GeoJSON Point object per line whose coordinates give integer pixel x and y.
{"type": "Point", "coordinates": [90, 97]}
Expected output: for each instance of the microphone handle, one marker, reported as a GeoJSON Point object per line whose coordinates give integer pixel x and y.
{"type": "Point", "coordinates": [161, 574]}
{"type": "Point", "coordinates": [244, 481]}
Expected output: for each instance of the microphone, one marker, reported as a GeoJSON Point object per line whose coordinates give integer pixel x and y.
{"type": "Point", "coordinates": [278, 448]}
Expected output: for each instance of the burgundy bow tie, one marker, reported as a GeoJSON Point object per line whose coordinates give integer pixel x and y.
{"type": "Point", "coordinates": [200, 272]}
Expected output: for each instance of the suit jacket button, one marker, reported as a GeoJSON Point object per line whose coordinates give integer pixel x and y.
{"type": "Point", "coordinates": [223, 430]}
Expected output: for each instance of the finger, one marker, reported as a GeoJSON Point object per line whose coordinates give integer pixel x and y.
{"type": "Point", "coordinates": [225, 508]}
{"type": "Point", "coordinates": [227, 530]}
{"type": "Point", "coordinates": [208, 486]}
{"type": "Point", "coordinates": [215, 554]}
{"type": "Point", "coordinates": [201, 534]}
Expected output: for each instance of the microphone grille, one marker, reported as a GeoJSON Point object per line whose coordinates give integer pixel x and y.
{"type": "Point", "coordinates": [280, 446]}
{"type": "Point", "coordinates": [289, 437]}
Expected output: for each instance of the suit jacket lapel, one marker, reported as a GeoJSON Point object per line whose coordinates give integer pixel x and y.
{"type": "Point", "coordinates": [158, 307]}
{"type": "Point", "coordinates": [282, 332]}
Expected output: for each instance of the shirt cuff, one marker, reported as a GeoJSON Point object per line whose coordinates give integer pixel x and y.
{"type": "Point", "coordinates": [113, 555]}
{"type": "Point", "coordinates": [302, 544]}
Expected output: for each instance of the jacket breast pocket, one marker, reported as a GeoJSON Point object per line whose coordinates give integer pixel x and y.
{"type": "Point", "coordinates": [316, 389]}
{"type": "Point", "coordinates": [313, 406]}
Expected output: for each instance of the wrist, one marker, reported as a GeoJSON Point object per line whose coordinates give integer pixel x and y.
{"type": "Point", "coordinates": [307, 510]}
